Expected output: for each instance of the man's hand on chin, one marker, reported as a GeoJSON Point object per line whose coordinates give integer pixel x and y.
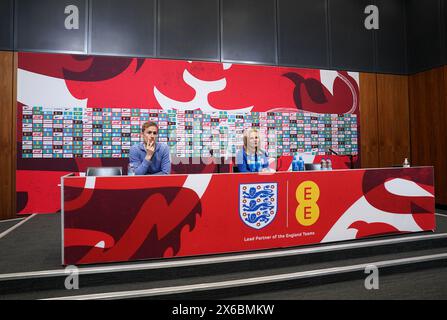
{"type": "Point", "coordinates": [150, 149]}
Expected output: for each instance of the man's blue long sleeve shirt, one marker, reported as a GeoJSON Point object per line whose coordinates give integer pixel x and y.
{"type": "Point", "coordinates": [158, 165]}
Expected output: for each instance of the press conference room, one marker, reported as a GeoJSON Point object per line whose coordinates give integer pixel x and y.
{"type": "Point", "coordinates": [223, 149]}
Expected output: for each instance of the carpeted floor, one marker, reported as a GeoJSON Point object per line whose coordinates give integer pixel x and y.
{"type": "Point", "coordinates": [7, 224]}
{"type": "Point", "coordinates": [418, 285]}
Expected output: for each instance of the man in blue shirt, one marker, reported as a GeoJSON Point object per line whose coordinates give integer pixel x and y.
{"type": "Point", "coordinates": [150, 156]}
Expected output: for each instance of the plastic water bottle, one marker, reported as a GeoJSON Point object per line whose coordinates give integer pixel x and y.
{"type": "Point", "coordinates": [295, 164]}
{"type": "Point", "coordinates": [130, 170]}
{"type": "Point", "coordinates": [323, 164]}
{"type": "Point", "coordinates": [301, 164]}
{"type": "Point", "coordinates": [406, 163]}
{"type": "Point", "coordinates": [329, 164]}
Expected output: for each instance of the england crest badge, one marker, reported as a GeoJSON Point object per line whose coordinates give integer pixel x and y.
{"type": "Point", "coordinates": [258, 204]}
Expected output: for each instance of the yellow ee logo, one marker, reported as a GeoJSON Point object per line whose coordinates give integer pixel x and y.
{"type": "Point", "coordinates": [307, 195]}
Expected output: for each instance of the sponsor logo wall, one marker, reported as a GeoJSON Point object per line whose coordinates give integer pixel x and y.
{"type": "Point", "coordinates": [110, 132]}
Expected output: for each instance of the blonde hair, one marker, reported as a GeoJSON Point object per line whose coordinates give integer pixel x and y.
{"type": "Point", "coordinates": [246, 136]}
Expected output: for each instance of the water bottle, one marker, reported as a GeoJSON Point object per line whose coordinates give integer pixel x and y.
{"type": "Point", "coordinates": [329, 164]}
{"type": "Point", "coordinates": [406, 163]}
{"type": "Point", "coordinates": [323, 164]}
{"type": "Point", "coordinates": [301, 164]}
{"type": "Point", "coordinates": [130, 170]}
{"type": "Point", "coordinates": [295, 164]}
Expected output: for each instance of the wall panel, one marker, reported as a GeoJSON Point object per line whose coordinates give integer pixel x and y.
{"type": "Point", "coordinates": [384, 120]}
{"type": "Point", "coordinates": [302, 29]}
{"type": "Point", "coordinates": [424, 34]}
{"type": "Point", "coordinates": [428, 116]}
{"type": "Point", "coordinates": [394, 125]}
{"type": "Point", "coordinates": [369, 135]}
{"type": "Point", "coordinates": [7, 141]}
{"type": "Point", "coordinates": [6, 24]}
{"type": "Point", "coordinates": [352, 45]}
{"type": "Point", "coordinates": [391, 37]}
{"type": "Point", "coordinates": [40, 25]}
{"type": "Point", "coordinates": [123, 27]}
{"type": "Point", "coordinates": [405, 116]}
{"type": "Point", "coordinates": [249, 31]}
{"type": "Point", "coordinates": [189, 29]}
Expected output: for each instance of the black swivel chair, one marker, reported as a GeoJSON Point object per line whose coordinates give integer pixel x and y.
{"type": "Point", "coordinates": [104, 171]}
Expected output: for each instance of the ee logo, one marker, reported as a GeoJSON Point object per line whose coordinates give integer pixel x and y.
{"type": "Point", "coordinates": [307, 212]}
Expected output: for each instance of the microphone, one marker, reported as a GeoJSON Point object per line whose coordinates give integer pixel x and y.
{"type": "Point", "coordinates": [332, 151]}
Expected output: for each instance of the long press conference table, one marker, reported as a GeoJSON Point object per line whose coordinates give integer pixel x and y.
{"type": "Point", "coordinates": [129, 218]}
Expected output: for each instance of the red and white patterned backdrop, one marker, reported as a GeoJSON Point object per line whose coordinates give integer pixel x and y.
{"type": "Point", "coordinates": [92, 82]}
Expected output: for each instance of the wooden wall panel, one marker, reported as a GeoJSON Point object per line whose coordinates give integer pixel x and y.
{"type": "Point", "coordinates": [7, 141]}
{"type": "Point", "coordinates": [369, 136]}
{"type": "Point", "coordinates": [441, 145]}
{"type": "Point", "coordinates": [394, 124]}
{"type": "Point", "coordinates": [384, 120]}
{"type": "Point", "coordinates": [14, 134]}
{"type": "Point", "coordinates": [405, 116]}
{"type": "Point", "coordinates": [425, 92]}
{"type": "Point", "coordinates": [428, 118]}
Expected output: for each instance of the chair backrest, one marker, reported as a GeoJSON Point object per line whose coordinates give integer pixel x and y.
{"type": "Point", "coordinates": [104, 171]}
{"type": "Point", "coordinates": [312, 166]}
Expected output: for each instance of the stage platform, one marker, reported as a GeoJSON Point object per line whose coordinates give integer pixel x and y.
{"type": "Point", "coordinates": [30, 267]}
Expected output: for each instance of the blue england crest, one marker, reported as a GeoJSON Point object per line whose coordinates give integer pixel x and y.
{"type": "Point", "coordinates": [258, 203]}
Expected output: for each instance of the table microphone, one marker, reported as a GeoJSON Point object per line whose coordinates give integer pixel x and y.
{"type": "Point", "coordinates": [332, 151]}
